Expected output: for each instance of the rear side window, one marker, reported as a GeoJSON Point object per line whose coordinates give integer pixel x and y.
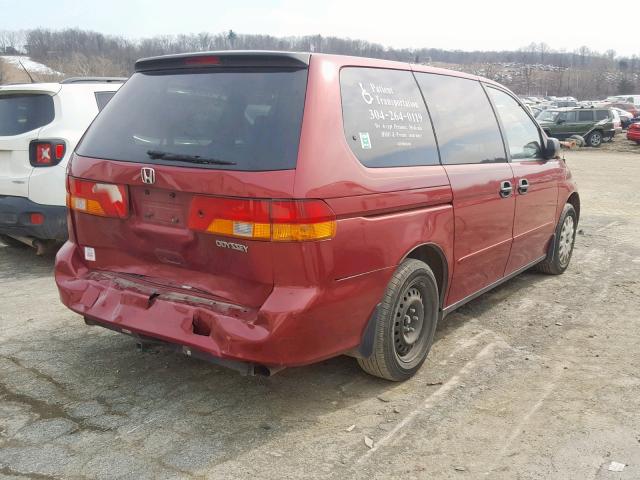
{"type": "Point", "coordinates": [466, 127]}
{"type": "Point", "coordinates": [102, 98]}
{"type": "Point", "coordinates": [522, 134]}
{"type": "Point", "coordinates": [23, 113]}
{"type": "Point", "coordinates": [585, 116]}
{"type": "Point", "coordinates": [385, 119]}
{"type": "Point", "coordinates": [602, 115]}
{"type": "Point", "coordinates": [234, 119]}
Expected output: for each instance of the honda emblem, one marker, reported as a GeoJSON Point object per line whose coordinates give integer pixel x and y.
{"type": "Point", "coordinates": [148, 175]}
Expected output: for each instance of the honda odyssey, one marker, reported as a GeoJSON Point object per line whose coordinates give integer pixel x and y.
{"type": "Point", "coordinates": [269, 209]}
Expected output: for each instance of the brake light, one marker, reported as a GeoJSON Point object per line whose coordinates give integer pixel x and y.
{"type": "Point", "coordinates": [206, 60]}
{"type": "Point", "coordinates": [46, 153]}
{"type": "Point", "coordinates": [276, 220]}
{"type": "Point", "coordinates": [97, 198]}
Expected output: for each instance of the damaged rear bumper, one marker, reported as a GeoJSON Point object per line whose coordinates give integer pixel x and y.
{"type": "Point", "coordinates": [295, 325]}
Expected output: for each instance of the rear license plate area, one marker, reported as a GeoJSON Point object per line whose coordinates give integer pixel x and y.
{"type": "Point", "coordinates": [162, 207]}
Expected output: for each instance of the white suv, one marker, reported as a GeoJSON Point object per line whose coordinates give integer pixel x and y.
{"type": "Point", "coordinates": [40, 124]}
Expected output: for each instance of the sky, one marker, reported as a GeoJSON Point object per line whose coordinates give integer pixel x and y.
{"type": "Point", "coordinates": [458, 24]}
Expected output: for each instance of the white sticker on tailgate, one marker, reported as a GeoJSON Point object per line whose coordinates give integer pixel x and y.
{"type": "Point", "coordinates": [89, 254]}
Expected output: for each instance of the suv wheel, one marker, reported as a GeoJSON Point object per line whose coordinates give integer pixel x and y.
{"type": "Point", "coordinates": [406, 324]}
{"type": "Point", "coordinates": [563, 246]}
{"type": "Point", "coordinates": [594, 139]}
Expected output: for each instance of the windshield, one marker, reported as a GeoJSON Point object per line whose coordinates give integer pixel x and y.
{"type": "Point", "coordinates": [23, 113]}
{"type": "Point", "coordinates": [547, 116]}
{"type": "Point", "coordinates": [241, 119]}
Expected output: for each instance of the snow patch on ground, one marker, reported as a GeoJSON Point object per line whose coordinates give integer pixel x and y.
{"type": "Point", "coordinates": [30, 65]}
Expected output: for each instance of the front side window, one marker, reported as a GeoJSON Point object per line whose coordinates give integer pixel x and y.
{"type": "Point", "coordinates": [22, 113]}
{"type": "Point", "coordinates": [567, 117]}
{"type": "Point", "coordinates": [547, 116]}
{"type": "Point", "coordinates": [522, 134]}
{"type": "Point", "coordinates": [465, 125]}
{"type": "Point", "coordinates": [602, 115]}
{"type": "Point", "coordinates": [386, 123]}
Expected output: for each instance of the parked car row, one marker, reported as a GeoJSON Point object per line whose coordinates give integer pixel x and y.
{"type": "Point", "coordinates": [594, 124]}
{"type": "Point", "coordinates": [270, 209]}
{"type": "Point", "coordinates": [566, 117]}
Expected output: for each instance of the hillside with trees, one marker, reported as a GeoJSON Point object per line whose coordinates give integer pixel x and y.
{"type": "Point", "coordinates": [536, 69]}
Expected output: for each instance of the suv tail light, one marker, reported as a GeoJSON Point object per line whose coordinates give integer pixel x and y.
{"type": "Point", "coordinates": [46, 153]}
{"type": "Point", "coordinates": [275, 220]}
{"type": "Point", "coordinates": [97, 198]}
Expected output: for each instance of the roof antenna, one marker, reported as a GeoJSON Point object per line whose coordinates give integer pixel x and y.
{"type": "Point", "coordinates": [26, 71]}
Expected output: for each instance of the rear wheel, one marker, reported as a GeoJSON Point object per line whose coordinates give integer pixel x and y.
{"type": "Point", "coordinates": [594, 139]}
{"type": "Point", "coordinates": [406, 323]}
{"type": "Point", "coordinates": [563, 243]}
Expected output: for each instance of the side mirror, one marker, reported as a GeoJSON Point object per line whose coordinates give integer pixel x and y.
{"type": "Point", "coordinates": [551, 148]}
{"type": "Point", "coordinates": [560, 121]}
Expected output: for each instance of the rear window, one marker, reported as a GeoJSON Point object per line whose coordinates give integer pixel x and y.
{"type": "Point", "coordinates": [385, 119]}
{"type": "Point", "coordinates": [102, 98]}
{"type": "Point", "coordinates": [23, 113]}
{"type": "Point", "coordinates": [234, 119]}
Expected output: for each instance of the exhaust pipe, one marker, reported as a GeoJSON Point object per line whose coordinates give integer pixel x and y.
{"type": "Point", "coordinates": [264, 371]}
{"type": "Point", "coordinates": [144, 343]}
{"type": "Point", "coordinates": [42, 247]}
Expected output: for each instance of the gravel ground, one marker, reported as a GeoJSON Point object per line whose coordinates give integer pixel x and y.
{"type": "Point", "coordinates": [537, 379]}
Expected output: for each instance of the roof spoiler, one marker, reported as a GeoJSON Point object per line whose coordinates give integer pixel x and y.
{"type": "Point", "coordinates": [233, 58]}
{"type": "Point", "coordinates": [93, 80]}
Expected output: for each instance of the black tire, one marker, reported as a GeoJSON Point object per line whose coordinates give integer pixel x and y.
{"type": "Point", "coordinates": [11, 242]}
{"type": "Point", "coordinates": [410, 302]}
{"type": "Point", "coordinates": [595, 138]}
{"type": "Point", "coordinates": [563, 240]}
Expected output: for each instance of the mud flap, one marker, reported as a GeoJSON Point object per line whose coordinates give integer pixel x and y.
{"type": "Point", "coordinates": [365, 350]}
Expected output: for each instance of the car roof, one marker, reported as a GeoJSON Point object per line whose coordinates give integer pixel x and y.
{"type": "Point", "coordinates": [51, 88]}
{"type": "Point", "coordinates": [291, 59]}
{"type": "Point", "coordinates": [571, 109]}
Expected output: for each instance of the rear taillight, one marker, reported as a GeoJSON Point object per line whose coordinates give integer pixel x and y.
{"type": "Point", "coordinates": [276, 220]}
{"type": "Point", "coordinates": [36, 218]}
{"type": "Point", "coordinates": [97, 198]}
{"type": "Point", "coordinates": [300, 220]}
{"type": "Point", "coordinates": [46, 153]}
{"type": "Point", "coordinates": [231, 217]}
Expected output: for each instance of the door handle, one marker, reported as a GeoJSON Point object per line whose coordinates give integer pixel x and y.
{"type": "Point", "coordinates": [523, 186]}
{"type": "Point", "coordinates": [505, 188]}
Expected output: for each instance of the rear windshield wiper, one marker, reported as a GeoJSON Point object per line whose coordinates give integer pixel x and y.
{"type": "Point", "coordinates": [160, 155]}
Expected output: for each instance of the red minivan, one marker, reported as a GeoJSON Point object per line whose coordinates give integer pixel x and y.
{"type": "Point", "coordinates": [271, 209]}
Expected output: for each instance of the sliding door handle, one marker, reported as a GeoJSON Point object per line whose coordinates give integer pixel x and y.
{"type": "Point", "coordinates": [505, 188]}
